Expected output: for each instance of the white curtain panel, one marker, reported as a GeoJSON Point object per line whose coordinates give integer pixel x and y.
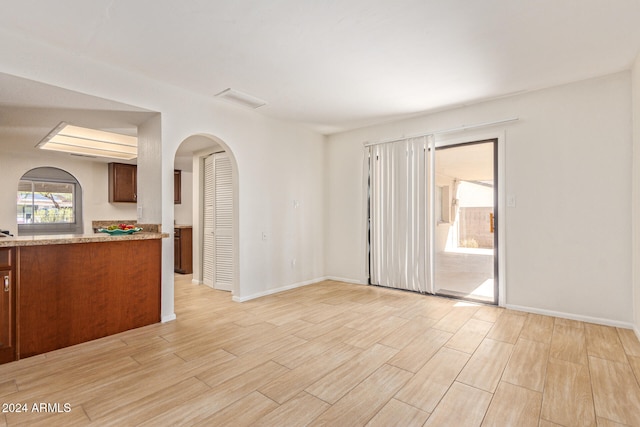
{"type": "Point", "coordinates": [398, 204]}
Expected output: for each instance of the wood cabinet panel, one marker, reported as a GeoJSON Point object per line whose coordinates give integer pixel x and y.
{"type": "Point", "coordinates": [7, 306]}
{"type": "Point", "coordinates": [183, 251]}
{"type": "Point", "coordinates": [123, 183]}
{"type": "Point", "coordinates": [74, 293]}
{"type": "Point", "coordinates": [6, 257]}
{"type": "Point", "coordinates": [177, 187]}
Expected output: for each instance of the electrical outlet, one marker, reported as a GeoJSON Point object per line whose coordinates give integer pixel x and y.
{"type": "Point", "coordinates": [293, 263]}
{"type": "Point", "coordinates": [264, 236]}
{"type": "Point", "coordinates": [511, 201]}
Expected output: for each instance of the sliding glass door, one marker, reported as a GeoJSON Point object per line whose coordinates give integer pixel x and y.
{"type": "Point", "coordinates": [433, 218]}
{"type": "Point", "coordinates": [465, 236]}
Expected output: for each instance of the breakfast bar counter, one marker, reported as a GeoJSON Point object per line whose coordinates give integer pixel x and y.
{"type": "Point", "coordinates": [65, 290]}
{"type": "Point", "coordinates": [65, 239]}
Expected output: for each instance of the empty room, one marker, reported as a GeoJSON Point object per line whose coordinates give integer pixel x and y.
{"type": "Point", "coordinates": [292, 213]}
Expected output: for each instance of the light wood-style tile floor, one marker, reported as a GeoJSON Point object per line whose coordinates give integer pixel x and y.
{"type": "Point", "coordinates": [334, 354]}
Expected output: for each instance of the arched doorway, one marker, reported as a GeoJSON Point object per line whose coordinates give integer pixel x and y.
{"type": "Point", "coordinates": [207, 164]}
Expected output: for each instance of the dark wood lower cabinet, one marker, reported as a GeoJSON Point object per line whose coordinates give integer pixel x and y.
{"type": "Point", "coordinates": [177, 187]}
{"type": "Point", "coordinates": [182, 250]}
{"type": "Point", "coordinates": [73, 293]}
{"type": "Point", "coordinates": [7, 305]}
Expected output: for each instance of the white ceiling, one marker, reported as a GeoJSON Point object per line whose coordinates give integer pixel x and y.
{"type": "Point", "coordinates": [30, 110]}
{"type": "Point", "coordinates": [338, 65]}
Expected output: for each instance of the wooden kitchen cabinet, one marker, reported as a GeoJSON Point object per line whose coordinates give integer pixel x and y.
{"type": "Point", "coordinates": [123, 183]}
{"type": "Point", "coordinates": [177, 187]}
{"type": "Point", "coordinates": [73, 293]}
{"type": "Point", "coordinates": [7, 305]}
{"type": "Point", "coordinates": [182, 250]}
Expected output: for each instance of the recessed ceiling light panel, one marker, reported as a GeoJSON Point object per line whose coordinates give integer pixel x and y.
{"type": "Point", "coordinates": [241, 98]}
{"type": "Point", "coordinates": [90, 142]}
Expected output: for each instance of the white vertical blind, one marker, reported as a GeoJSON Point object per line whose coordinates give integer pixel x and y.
{"type": "Point", "coordinates": [399, 246]}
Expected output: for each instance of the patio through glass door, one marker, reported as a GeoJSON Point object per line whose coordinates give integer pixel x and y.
{"type": "Point", "coordinates": [465, 221]}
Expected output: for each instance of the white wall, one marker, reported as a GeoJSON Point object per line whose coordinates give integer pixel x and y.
{"type": "Point", "coordinates": [568, 161]}
{"type": "Point", "coordinates": [183, 211]}
{"type": "Point", "coordinates": [149, 173]}
{"type": "Point", "coordinates": [92, 176]}
{"type": "Point", "coordinates": [635, 197]}
{"type": "Point", "coordinates": [291, 169]}
{"type": "Point", "coordinates": [276, 163]}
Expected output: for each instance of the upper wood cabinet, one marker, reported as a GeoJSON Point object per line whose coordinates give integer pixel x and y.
{"type": "Point", "coordinates": [123, 183]}
{"type": "Point", "coordinates": [177, 187]}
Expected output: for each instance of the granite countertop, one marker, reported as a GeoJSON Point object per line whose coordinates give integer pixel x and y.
{"type": "Point", "coordinates": [61, 239]}
{"type": "Point", "coordinates": [155, 228]}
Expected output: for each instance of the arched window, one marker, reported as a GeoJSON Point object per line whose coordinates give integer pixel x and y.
{"type": "Point", "coordinates": [49, 202]}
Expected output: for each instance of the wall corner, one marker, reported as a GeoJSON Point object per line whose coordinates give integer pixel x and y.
{"type": "Point", "coordinates": [635, 192]}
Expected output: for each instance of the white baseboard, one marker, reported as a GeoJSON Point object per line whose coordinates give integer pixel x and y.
{"type": "Point", "coordinates": [588, 319]}
{"type": "Point", "coordinates": [277, 290]}
{"type": "Point", "coordinates": [342, 279]}
{"type": "Point", "coordinates": [196, 282]}
{"type": "Point", "coordinates": [637, 331]}
{"type": "Point", "coordinates": [168, 318]}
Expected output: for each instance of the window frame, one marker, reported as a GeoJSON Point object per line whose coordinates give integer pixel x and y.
{"type": "Point", "coordinates": [54, 175]}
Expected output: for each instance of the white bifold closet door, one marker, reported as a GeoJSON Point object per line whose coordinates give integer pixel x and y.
{"type": "Point", "coordinates": [217, 253]}
{"type": "Point", "coordinates": [399, 215]}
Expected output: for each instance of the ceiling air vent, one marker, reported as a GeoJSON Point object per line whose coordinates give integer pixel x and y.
{"type": "Point", "coordinates": [241, 98]}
